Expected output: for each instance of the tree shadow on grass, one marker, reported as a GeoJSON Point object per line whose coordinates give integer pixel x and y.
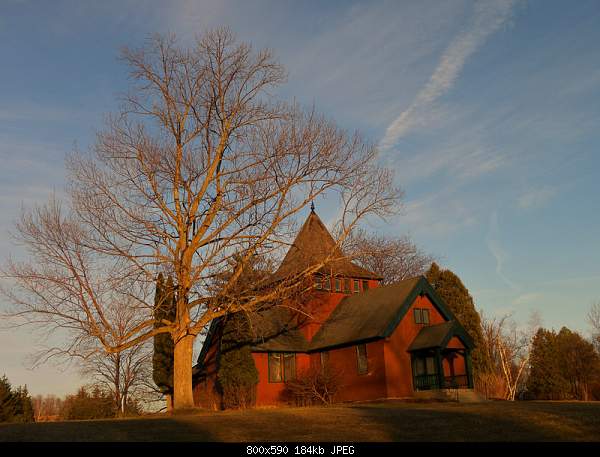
{"type": "Point", "coordinates": [491, 421]}
{"type": "Point", "coordinates": [146, 429]}
{"type": "Point", "coordinates": [484, 422]}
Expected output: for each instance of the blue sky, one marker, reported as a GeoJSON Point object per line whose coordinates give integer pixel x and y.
{"type": "Point", "coordinates": [489, 113]}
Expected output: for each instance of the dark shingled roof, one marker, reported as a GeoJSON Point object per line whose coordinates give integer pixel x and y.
{"type": "Point", "coordinates": [276, 329]}
{"type": "Point", "coordinates": [368, 315]}
{"type": "Point", "coordinates": [312, 245]}
{"type": "Point", "coordinates": [433, 336]}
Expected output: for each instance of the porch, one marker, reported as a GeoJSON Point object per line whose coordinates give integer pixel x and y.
{"type": "Point", "coordinates": [441, 358]}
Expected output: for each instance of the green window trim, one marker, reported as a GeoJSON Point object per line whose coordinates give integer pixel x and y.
{"type": "Point", "coordinates": [421, 316]}
{"type": "Point", "coordinates": [282, 366]}
{"type": "Point", "coordinates": [338, 285]}
{"type": "Point", "coordinates": [346, 285]}
{"type": "Point", "coordinates": [324, 359]}
{"type": "Point", "coordinates": [356, 288]}
{"type": "Point", "coordinates": [362, 361]}
{"type": "Point", "coordinates": [318, 282]}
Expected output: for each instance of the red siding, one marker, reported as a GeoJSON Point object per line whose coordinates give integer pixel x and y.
{"type": "Point", "coordinates": [368, 386]}
{"type": "Point", "coordinates": [397, 358]}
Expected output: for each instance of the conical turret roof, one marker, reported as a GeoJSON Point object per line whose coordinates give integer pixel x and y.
{"type": "Point", "coordinates": [312, 245]}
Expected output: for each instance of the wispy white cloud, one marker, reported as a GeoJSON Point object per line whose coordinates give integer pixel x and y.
{"type": "Point", "coordinates": [528, 299]}
{"type": "Point", "coordinates": [438, 214]}
{"type": "Point", "coordinates": [535, 198]}
{"type": "Point", "coordinates": [462, 157]}
{"type": "Point", "coordinates": [488, 17]}
{"type": "Point", "coordinates": [497, 250]}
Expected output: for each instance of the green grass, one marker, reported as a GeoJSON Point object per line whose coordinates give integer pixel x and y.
{"type": "Point", "coordinates": [490, 421]}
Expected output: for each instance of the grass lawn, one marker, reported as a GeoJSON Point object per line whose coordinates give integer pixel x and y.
{"type": "Point", "coordinates": [490, 421]}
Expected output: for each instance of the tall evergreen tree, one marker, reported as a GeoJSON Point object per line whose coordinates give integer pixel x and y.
{"type": "Point", "coordinates": [579, 363]}
{"type": "Point", "coordinates": [7, 400]}
{"type": "Point", "coordinates": [162, 359]}
{"type": "Point", "coordinates": [15, 404]}
{"type": "Point", "coordinates": [545, 381]}
{"type": "Point", "coordinates": [451, 289]}
{"type": "Point", "coordinates": [237, 375]}
{"type": "Point", "coordinates": [27, 406]}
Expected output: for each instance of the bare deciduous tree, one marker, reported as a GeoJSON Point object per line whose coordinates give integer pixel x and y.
{"type": "Point", "coordinates": [46, 408]}
{"type": "Point", "coordinates": [593, 318]}
{"type": "Point", "coordinates": [201, 162]}
{"type": "Point", "coordinates": [126, 374]}
{"type": "Point", "coordinates": [508, 349]}
{"type": "Point", "coordinates": [393, 258]}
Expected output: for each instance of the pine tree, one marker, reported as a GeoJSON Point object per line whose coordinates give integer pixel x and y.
{"type": "Point", "coordinates": [7, 400]}
{"type": "Point", "coordinates": [579, 363]}
{"type": "Point", "coordinates": [545, 381]}
{"type": "Point", "coordinates": [162, 359]}
{"type": "Point", "coordinates": [451, 289]}
{"type": "Point", "coordinates": [27, 406]}
{"type": "Point", "coordinates": [15, 404]}
{"type": "Point", "coordinates": [237, 375]}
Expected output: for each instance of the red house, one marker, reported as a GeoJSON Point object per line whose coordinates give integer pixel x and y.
{"type": "Point", "coordinates": [388, 341]}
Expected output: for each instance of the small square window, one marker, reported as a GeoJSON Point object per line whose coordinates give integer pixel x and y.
{"type": "Point", "coordinates": [356, 288]}
{"type": "Point", "coordinates": [282, 366]}
{"type": "Point", "coordinates": [289, 367]}
{"type": "Point", "coordinates": [417, 314]}
{"type": "Point", "coordinates": [324, 359]}
{"type": "Point", "coordinates": [361, 356]}
{"type": "Point", "coordinates": [425, 316]}
{"type": "Point", "coordinates": [318, 282]}
{"type": "Point", "coordinates": [275, 367]}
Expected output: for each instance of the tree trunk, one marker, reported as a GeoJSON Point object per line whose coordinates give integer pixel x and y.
{"type": "Point", "coordinates": [117, 381]}
{"type": "Point", "coordinates": [169, 401]}
{"type": "Point", "coordinates": [182, 373]}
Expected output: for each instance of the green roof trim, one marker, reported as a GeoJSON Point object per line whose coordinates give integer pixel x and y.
{"type": "Point", "coordinates": [421, 288]}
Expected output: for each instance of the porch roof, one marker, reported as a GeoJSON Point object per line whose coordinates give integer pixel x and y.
{"type": "Point", "coordinates": [438, 336]}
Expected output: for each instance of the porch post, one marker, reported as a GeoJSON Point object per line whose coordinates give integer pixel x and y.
{"type": "Point", "coordinates": [469, 367]}
{"type": "Point", "coordinates": [440, 367]}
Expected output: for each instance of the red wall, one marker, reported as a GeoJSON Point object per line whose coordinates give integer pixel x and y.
{"type": "Point", "coordinates": [397, 358]}
{"type": "Point", "coordinates": [369, 386]}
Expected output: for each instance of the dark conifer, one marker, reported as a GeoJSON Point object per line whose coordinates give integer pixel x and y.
{"type": "Point", "coordinates": [237, 375]}
{"type": "Point", "coordinates": [451, 289]}
{"type": "Point", "coordinates": [7, 400]}
{"type": "Point", "coordinates": [162, 359]}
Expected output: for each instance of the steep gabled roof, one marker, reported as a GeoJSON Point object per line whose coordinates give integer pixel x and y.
{"type": "Point", "coordinates": [365, 316]}
{"type": "Point", "coordinates": [312, 245]}
{"type": "Point", "coordinates": [276, 330]}
{"type": "Point", "coordinates": [376, 313]}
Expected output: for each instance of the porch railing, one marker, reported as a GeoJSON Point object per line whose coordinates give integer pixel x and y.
{"type": "Point", "coordinates": [432, 381]}
{"type": "Point", "coordinates": [427, 382]}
